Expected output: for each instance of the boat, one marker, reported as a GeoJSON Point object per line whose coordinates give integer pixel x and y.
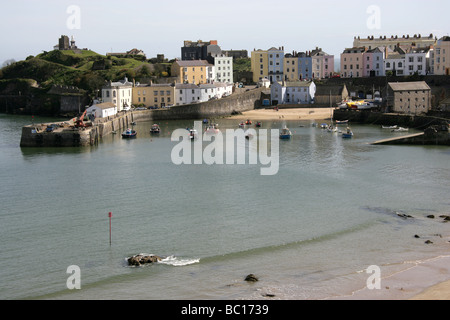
{"type": "Point", "coordinates": [400, 129]}
{"type": "Point", "coordinates": [285, 133]}
{"type": "Point", "coordinates": [341, 121]}
{"type": "Point", "coordinates": [133, 123]}
{"type": "Point", "coordinates": [258, 124]}
{"type": "Point", "coordinates": [155, 129]}
{"type": "Point", "coordinates": [241, 124]}
{"type": "Point", "coordinates": [332, 129]}
{"type": "Point", "coordinates": [348, 134]}
{"type": "Point", "coordinates": [212, 129]}
{"type": "Point", "coordinates": [248, 122]}
{"type": "Point", "coordinates": [193, 134]}
{"type": "Point", "coordinates": [389, 127]}
{"type": "Point", "coordinates": [129, 133]}
{"type": "Point", "coordinates": [324, 125]}
{"type": "Point", "coordinates": [205, 121]}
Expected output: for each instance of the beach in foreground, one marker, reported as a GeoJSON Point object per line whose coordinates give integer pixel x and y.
{"type": "Point", "coordinates": [422, 280]}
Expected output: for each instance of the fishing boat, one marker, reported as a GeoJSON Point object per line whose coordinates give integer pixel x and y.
{"type": "Point", "coordinates": [285, 133]}
{"type": "Point", "coordinates": [348, 134]}
{"type": "Point", "coordinates": [155, 129]}
{"type": "Point", "coordinates": [212, 129]}
{"type": "Point", "coordinates": [129, 133]}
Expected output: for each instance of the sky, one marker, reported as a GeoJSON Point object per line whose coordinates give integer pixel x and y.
{"type": "Point", "coordinates": [29, 27]}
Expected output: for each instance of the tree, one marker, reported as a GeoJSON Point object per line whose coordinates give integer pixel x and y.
{"type": "Point", "coordinates": [8, 63]}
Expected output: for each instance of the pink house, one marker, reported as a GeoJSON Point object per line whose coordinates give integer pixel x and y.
{"type": "Point", "coordinates": [352, 62]}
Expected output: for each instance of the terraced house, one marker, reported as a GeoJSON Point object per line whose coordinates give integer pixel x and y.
{"type": "Point", "coordinates": [193, 71]}
{"type": "Point", "coordinates": [154, 95]}
{"type": "Point", "coordinates": [119, 93]}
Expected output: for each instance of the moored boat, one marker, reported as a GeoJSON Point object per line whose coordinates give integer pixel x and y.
{"type": "Point", "coordinates": [285, 133]}
{"type": "Point", "coordinates": [155, 129]}
{"type": "Point", "coordinates": [248, 122]}
{"type": "Point", "coordinates": [348, 134]}
{"type": "Point", "coordinates": [129, 133]}
{"type": "Point", "coordinates": [389, 127]}
{"type": "Point", "coordinates": [258, 124]}
{"type": "Point", "coordinates": [193, 134]}
{"type": "Point", "coordinates": [341, 121]}
{"type": "Point", "coordinates": [212, 129]}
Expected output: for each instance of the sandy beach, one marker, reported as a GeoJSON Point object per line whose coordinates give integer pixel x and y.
{"type": "Point", "coordinates": [285, 114]}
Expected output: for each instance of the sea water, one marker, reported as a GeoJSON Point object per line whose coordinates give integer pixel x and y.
{"type": "Point", "coordinates": [335, 207]}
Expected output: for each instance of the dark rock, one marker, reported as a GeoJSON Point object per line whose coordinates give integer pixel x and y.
{"type": "Point", "coordinates": [430, 216]}
{"type": "Point", "coordinates": [251, 278]}
{"type": "Point", "coordinates": [140, 259]}
{"type": "Point", "coordinates": [429, 242]}
{"type": "Point", "coordinates": [416, 236]}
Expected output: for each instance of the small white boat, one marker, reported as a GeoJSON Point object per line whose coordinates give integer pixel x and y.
{"type": "Point", "coordinates": [193, 134]}
{"type": "Point", "coordinates": [389, 127]}
{"type": "Point", "coordinates": [400, 129]}
{"type": "Point", "coordinates": [212, 129]}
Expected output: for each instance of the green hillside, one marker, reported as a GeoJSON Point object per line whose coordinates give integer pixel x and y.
{"type": "Point", "coordinates": [86, 70]}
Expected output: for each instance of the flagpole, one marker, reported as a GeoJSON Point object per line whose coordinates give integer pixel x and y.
{"type": "Point", "coordinates": [110, 216]}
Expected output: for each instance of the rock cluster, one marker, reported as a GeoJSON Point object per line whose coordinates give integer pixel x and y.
{"type": "Point", "coordinates": [141, 259]}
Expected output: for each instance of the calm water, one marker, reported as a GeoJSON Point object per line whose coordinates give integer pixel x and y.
{"type": "Point", "coordinates": [307, 232]}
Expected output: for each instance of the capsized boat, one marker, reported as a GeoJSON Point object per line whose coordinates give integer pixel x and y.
{"type": "Point", "coordinates": [129, 133]}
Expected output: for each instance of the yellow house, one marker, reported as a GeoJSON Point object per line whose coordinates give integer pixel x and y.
{"type": "Point", "coordinates": [153, 95]}
{"type": "Point", "coordinates": [193, 71]}
{"type": "Point", "coordinates": [260, 65]}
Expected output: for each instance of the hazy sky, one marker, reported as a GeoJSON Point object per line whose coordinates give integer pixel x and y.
{"type": "Point", "coordinates": [29, 27]}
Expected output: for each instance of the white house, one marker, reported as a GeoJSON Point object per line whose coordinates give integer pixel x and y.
{"type": "Point", "coordinates": [102, 110]}
{"type": "Point", "coordinates": [188, 93]}
{"type": "Point", "coordinates": [223, 68]}
{"type": "Point", "coordinates": [416, 61]}
{"type": "Point", "coordinates": [293, 92]}
{"type": "Point", "coordinates": [395, 63]}
{"type": "Point", "coordinates": [119, 93]}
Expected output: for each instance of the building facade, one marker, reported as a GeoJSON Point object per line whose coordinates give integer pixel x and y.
{"type": "Point", "coordinates": [193, 71]}
{"type": "Point", "coordinates": [119, 93]}
{"type": "Point", "coordinates": [442, 56]}
{"type": "Point", "coordinates": [373, 63]}
{"type": "Point", "coordinates": [154, 95]}
{"type": "Point", "coordinates": [352, 62]}
{"type": "Point", "coordinates": [223, 66]}
{"type": "Point", "coordinates": [292, 92]}
{"type": "Point", "coordinates": [322, 64]}
{"type": "Point", "coordinates": [259, 65]}
{"type": "Point", "coordinates": [276, 64]}
{"type": "Point", "coordinates": [409, 97]}
{"type": "Point", "coordinates": [188, 93]}
{"type": "Point", "coordinates": [372, 42]}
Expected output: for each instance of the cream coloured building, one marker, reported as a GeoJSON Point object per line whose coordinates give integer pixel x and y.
{"type": "Point", "coordinates": [154, 95]}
